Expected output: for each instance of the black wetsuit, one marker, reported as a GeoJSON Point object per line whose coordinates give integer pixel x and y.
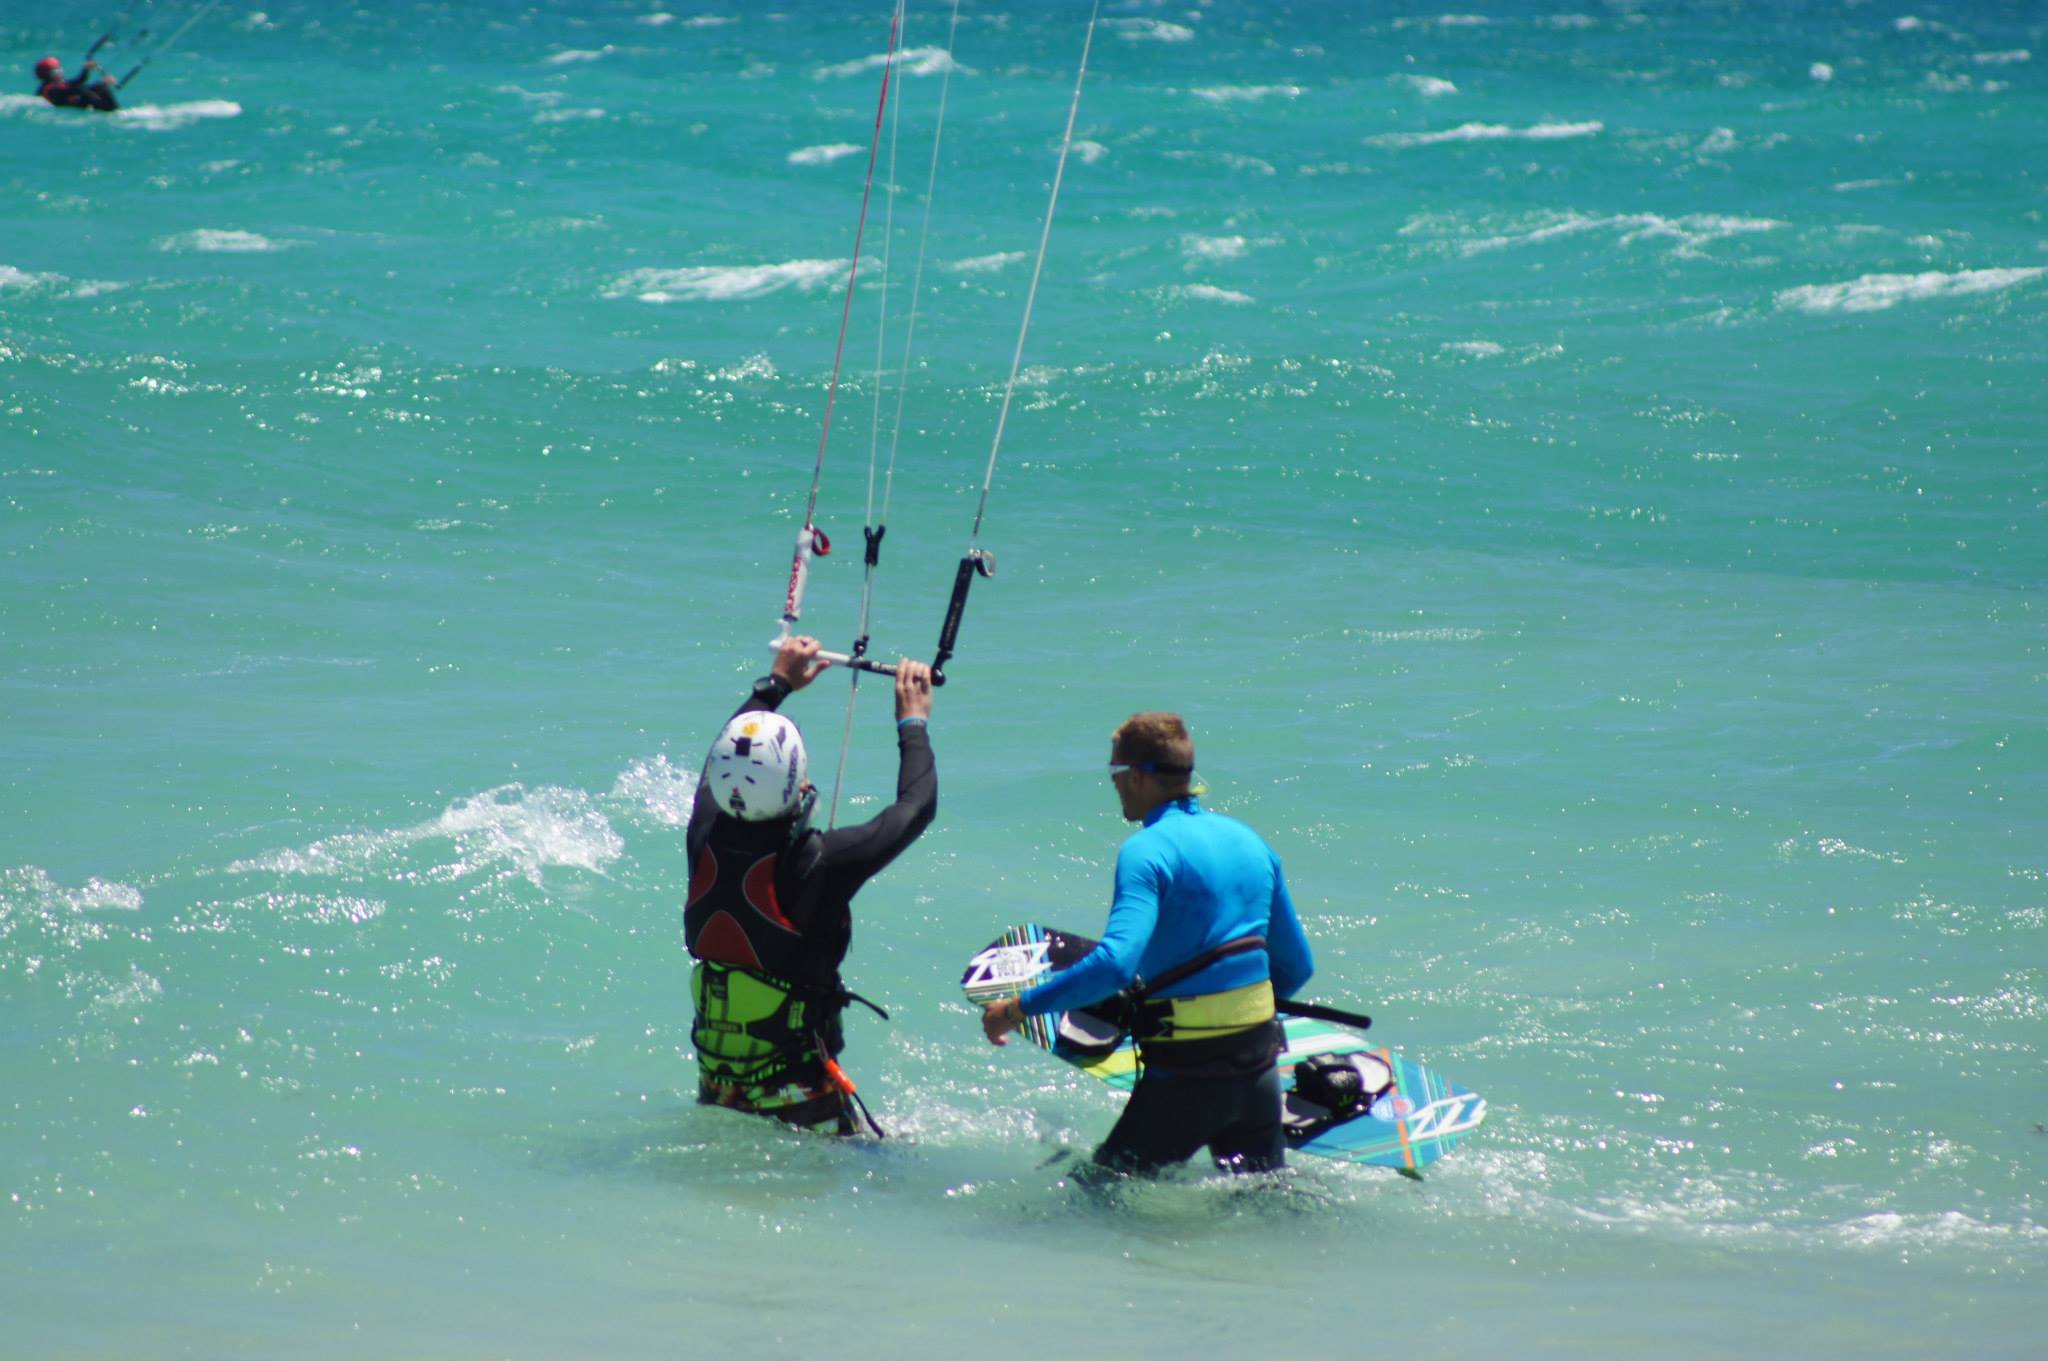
{"type": "Point", "coordinates": [1171, 1116]}
{"type": "Point", "coordinates": [76, 93]}
{"type": "Point", "coordinates": [770, 907]}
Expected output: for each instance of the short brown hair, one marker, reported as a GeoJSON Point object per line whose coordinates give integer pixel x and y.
{"type": "Point", "coordinates": [1159, 737]}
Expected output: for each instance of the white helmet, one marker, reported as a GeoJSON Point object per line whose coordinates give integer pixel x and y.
{"type": "Point", "coordinates": [757, 767]}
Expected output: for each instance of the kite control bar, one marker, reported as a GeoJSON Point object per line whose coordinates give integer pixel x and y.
{"type": "Point", "coordinates": [978, 562]}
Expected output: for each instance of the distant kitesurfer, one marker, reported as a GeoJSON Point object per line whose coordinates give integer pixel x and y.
{"type": "Point", "coordinates": [1188, 884]}
{"type": "Point", "coordinates": [769, 914]}
{"type": "Point", "coordinates": [79, 92]}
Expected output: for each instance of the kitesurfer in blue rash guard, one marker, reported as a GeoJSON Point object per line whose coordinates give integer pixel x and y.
{"type": "Point", "coordinates": [1190, 882]}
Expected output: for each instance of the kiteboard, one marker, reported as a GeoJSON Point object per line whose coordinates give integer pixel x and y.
{"type": "Point", "coordinates": [1415, 1119]}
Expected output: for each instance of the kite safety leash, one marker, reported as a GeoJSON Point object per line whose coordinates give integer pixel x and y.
{"type": "Point", "coordinates": [849, 1095]}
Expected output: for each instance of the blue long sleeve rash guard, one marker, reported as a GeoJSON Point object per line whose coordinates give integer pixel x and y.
{"type": "Point", "coordinates": [1187, 882]}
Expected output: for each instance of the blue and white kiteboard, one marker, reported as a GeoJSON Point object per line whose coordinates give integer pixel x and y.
{"type": "Point", "coordinates": [1420, 1117]}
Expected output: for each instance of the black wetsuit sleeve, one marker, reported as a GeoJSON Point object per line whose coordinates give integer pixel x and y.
{"type": "Point", "coordinates": [703, 811]}
{"type": "Point", "coordinates": [850, 856]}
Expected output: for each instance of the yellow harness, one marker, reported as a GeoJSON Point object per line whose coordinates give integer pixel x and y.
{"type": "Point", "coordinates": [1206, 1015]}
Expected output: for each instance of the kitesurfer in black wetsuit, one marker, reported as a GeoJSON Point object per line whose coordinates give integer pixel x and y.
{"type": "Point", "coordinates": [79, 92]}
{"type": "Point", "coordinates": [769, 915]}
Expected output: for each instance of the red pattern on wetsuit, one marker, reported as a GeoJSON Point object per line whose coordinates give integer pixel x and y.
{"type": "Point", "coordinates": [724, 935]}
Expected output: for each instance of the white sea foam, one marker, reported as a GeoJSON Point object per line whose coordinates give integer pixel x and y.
{"type": "Point", "coordinates": [660, 20]}
{"type": "Point", "coordinates": [1444, 21]}
{"type": "Point", "coordinates": [753, 366]}
{"type": "Point", "coordinates": [2001, 58]}
{"type": "Point", "coordinates": [724, 283]}
{"type": "Point", "coordinates": [1489, 132]}
{"type": "Point", "coordinates": [168, 117]}
{"type": "Point", "coordinates": [149, 117]}
{"type": "Point", "coordinates": [1206, 293]}
{"type": "Point", "coordinates": [1213, 247]}
{"type": "Point", "coordinates": [988, 264]}
{"type": "Point", "coordinates": [1892, 1231]}
{"type": "Point", "coordinates": [1440, 634]}
{"type": "Point", "coordinates": [567, 115]}
{"type": "Point", "coordinates": [1821, 72]}
{"type": "Point", "coordinates": [138, 990]}
{"type": "Point", "coordinates": [1877, 292]}
{"type": "Point", "coordinates": [29, 281]}
{"type": "Point", "coordinates": [1228, 94]}
{"type": "Point", "coordinates": [911, 61]}
{"type": "Point", "coordinates": [574, 55]}
{"type": "Point", "coordinates": [19, 104]}
{"type": "Point", "coordinates": [1834, 846]}
{"type": "Point", "coordinates": [1089, 152]}
{"type": "Point", "coordinates": [40, 893]}
{"type": "Point", "coordinates": [549, 226]}
{"type": "Point", "coordinates": [224, 241]}
{"type": "Point", "coordinates": [823, 155]}
{"type": "Point", "coordinates": [1476, 349]}
{"type": "Point", "coordinates": [498, 834]}
{"type": "Point", "coordinates": [1152, 31]}
{"type": "Point", "coordinates": [1434, 87]}
{"type": "Point", "coordinates": [98, 895]}
{"type": "Point", "coordinates": [709, 21]}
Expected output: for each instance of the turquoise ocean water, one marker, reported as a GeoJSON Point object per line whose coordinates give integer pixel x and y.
{"type": "Point", "coordinates": [1579, 468]}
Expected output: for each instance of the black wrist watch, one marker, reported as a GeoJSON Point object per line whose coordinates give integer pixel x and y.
{"type": "Point", "coordinates": [771, 690]}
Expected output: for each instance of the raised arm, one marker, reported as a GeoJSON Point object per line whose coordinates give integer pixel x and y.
{"type": "Point", "coordinates": [853, 855]}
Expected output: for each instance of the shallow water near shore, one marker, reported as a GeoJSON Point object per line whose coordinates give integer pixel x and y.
{"type": "Point", "coordinates": [1580, 474]}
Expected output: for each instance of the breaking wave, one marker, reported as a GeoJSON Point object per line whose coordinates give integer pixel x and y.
{"type": "Point", "coordinates": [224, 241]}
{"type": "Point", "coordinates": [1205, 293]}
{"type": "Point", "coordinates": [1490, 132]}
{"type": "Point", "coordinates": [724, 283]}
{"type": "Point", "coordinates": [987, 264]}
{"type": "Point", "coordinates": [912, 61]}
{"type": "Point", "coordinates": [1877, 292]}
{"type": "Point", "coordinates": [823, 155]}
